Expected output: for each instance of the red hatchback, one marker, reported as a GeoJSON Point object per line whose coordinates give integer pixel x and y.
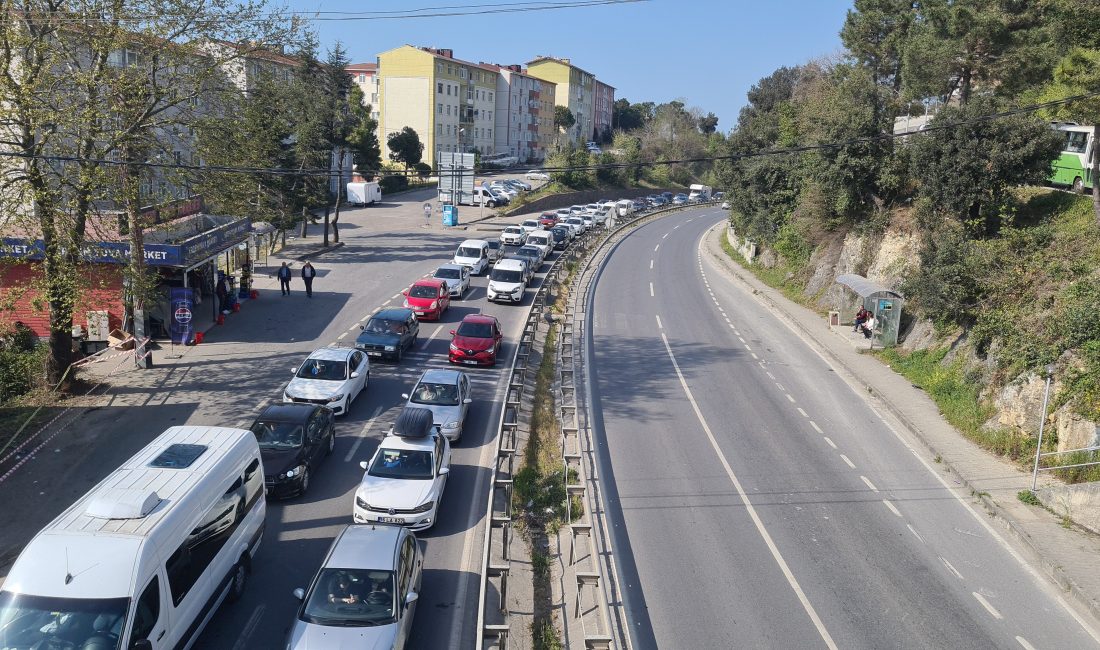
{"type": "Point", "coordinates": [476, 342]}
{"type": "Point", "coordinates": [548, 220]}
{"type": "Point", "coordinates": [428, 298]}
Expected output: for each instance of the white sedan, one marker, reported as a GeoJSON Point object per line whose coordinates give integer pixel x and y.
{"type": "Point", "coordinates": [537, 175]}
{"type": "Point", "coordinates": [457, 278]}
{"type": "Point", "coordinates": [404, 480]}
{"type": "Point", "coordinates": [531, 225]}
{"type": "Point", "coordinates": [332, 377]}
{"type": "Point", "coordinates": [513, 236]}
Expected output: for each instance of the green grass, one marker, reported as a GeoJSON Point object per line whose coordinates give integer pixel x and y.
{"type": "Point", "coordinates": [1028, 497]}
{"type": "Point", "coordinates": [778, 277]}
{"type": "Point", "coordinates": [545, 636]}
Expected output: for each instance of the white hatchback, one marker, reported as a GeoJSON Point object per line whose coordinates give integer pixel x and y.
{"type": "Point", "coordinates": [332, 377]}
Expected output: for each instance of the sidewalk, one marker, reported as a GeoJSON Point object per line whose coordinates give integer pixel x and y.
{"type": "Point", "coordinates": [1067, 556]}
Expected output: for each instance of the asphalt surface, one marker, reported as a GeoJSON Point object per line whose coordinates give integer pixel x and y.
{"type": "Point", "coordinates": [756, 500]}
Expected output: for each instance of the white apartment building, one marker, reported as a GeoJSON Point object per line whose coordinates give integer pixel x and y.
{"type": "Point", "coordinates": [517, 113]}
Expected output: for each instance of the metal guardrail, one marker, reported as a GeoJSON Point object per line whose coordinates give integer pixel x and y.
{"type": "Point", "coordinates": [496, 563]}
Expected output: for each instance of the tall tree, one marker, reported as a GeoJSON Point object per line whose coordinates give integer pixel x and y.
{"type": "Point", "coordinates": [626, 116]}
{"type": "Point", "coordinates": [405, 147]}
{"type": "Point", "coordinates": [708, 123]}
{"type": "Point", "coordinates": [874, 33]}
{"type": "Point", "coordinates": [363, 139]}
{"type": "Point", "coordinates": [563, 120]}
{"type": "Point", "coordinates": [337, 94]}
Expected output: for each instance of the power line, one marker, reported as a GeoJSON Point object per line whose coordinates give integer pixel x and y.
{"type": "Point", "coordinates": [282, 171]}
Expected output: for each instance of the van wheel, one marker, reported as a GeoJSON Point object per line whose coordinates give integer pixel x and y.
{"type": "Point", "coordinates": [240, 579]}
{"type": "Point", "coordinates": [491, 204]}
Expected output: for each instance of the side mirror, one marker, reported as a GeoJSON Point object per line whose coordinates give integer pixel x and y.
{"type": "Point", "coordinates": [363, 464]}
{"type": "Point", "coordinates": [411, 597]}
{"type": "Point", "coordinates": [467, 401]}
{"type": "Point", "coordinates": [452, 332]}
{"type": "Point", "coordinates": [405, 292]}
{"type": "Point", "coordinates": [299, 593]}
{"type": "Point", "coordinates": [355, 375]}
{"type": "Point", "coordinates": [443, 471]}
{"type": "Point", "coordinates": [293, 370]}
{"type": "Point", "coordinates": [362, 328]}
{"type": "Point", "coordinates": [404, 396]}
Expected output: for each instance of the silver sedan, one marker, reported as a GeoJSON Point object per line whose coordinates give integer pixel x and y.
{"type": "Point", "coordinates": [446, 393]}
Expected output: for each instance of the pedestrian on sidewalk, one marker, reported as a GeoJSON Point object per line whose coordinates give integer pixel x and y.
{"type": "Point", "coordinates": [223, 294]}
{"type": "Point", "coordinates": [308, 273]}
{"type": "Point", "coordinates": [861, 317]}
{"type": "Point", "coordinates": [284, 279]}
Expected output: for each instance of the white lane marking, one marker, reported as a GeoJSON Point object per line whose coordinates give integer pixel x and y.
{"type": "Point", "coordinates": [675, 227]}
{"type": "Point", "coordinates": [656, 247]}
{"type": "Point", "coordinates": [829, 440]}
{"type": "Point", "coordinates": [650, 289]}
{"type": "Point", "coordinates": [985, 603]}
{"type": "Point", "coordinates": [650, 263]}
{"type": "Point", "coordinates": [249, 627]}
{"type": "Point", "coordinates": [915, 533]}
{"type": "Point", "coordinates": [804, 414]}
{"type": "Point", "coordinates": [728, 320]}
{"type": "Point", "coordinates": [818, 429]}
{"type": "Point", "coordinates": [362, 435]}
{"type": "Point", "coordinates": [770, 375]}
{"type": "Point", "coordinates": [740, 339]}
{"type": "Point", "coordinates": [776, 555]}
{"type": "Point", "coordinates": [747, 347]}
{"type": "Point", "coordinates": [395, 296]}
{"type": "Point", "coordinates": [789, 398]}
{"type": "Point", "coordinates": [429, 339]}
{"type": "Point", "coordinates": [951, 568]}
{"type": "Point", "coordinates": [754, 356]}
{"type": "Point", "coordinates": [659, 326]}
{"type": "Point", "coordinates": [1024, 644]}
{"type": "Point", "coordinates": [892, 507]}
{"type": "Point", "coordinates": [868, 483]}
{"type": "Point", "coordinates": [387, 302]}
{"type": "Point", "coordinates": [848, 461]}
{"type": "Point", "coordinates": [666, 235]}
{"type": "Point", "coordinates": [780, 386]}
{"type": "Point", "coordinates": [341, 336]}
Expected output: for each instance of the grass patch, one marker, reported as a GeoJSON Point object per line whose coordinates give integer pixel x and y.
{"type": "Point", "coordinates": [545, 636]}
{"type": "Point", "coordinates": [1028, 497]}
{"type": "Point", "coordinates": [778, 277]}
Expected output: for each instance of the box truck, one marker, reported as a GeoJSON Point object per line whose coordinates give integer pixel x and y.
{"type": "Point", "coordinates": [364, 193]}
{"type": "Point", "coordinates": [699, 193]}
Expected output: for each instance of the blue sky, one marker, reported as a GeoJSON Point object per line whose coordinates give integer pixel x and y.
{"type": "Point", "coordinates": [707, 52]}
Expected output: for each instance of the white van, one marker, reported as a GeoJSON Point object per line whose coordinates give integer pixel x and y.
{"type": "Point", "coordinates": [543, 239]}
{"type": "Point", "coordinates": [364, 193]}
{"type": "Point", "coordinates": [474, 255]}
{"type": "Point", "coordinates": [508, 280]}
{"type": "Point", "coordinates": [145, 558]}
{"type": "Point", "coordinates": [626, 207]}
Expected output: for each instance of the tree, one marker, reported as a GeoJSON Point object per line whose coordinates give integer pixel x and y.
{"type": "Point", "coordinates": [708, 124]}
{"type": "Point", "coordinates": [1078, 73]}
{"type": "Point", "coordinates": [563, 119]}
{"type": "Point", "coordinates": [875, 33]}
{"type": "Point", "coordinates": [626, 116]}
{"type": "Point", "coordinates": [363, 139]}
{"type": "Point", "coordinates": [966, 171]}
{"type": "Point", "coordinates": [405, 147]}
{"type": "Point", "coordinates": [342, 121]}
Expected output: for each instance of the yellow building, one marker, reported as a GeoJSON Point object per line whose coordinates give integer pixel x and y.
{"type": "Point", "coordinates": [575, 89]}
{"type": "Point", "coordinates": [450, 103]}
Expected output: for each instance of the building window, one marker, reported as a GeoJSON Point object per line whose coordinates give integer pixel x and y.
{"type": "Point", "coordinates": [490, 96]}
{"type": "Point", "coordinates": [439, 129]}
{"type": "Point", "coordinates": [450, 70]}
{"type": "Point", "coordinates": [448, 109]}
{"type": "Point", "coordinates": [490, 133]}
{"type": "Point", "coordinates": [469, 93]}
{"type": "Point", "coordinates": [439, 67]}
{"type": "Point", "coordinates": [439, 87]}
{"type": "Point", "coordinates": [440, 106]}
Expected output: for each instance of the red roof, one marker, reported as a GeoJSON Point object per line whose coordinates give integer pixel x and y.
{"type": "Point", "coordinates": [362, 67]}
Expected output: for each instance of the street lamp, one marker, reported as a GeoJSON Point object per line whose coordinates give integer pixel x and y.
{"type": "Point", "coordinates": [1039, 445]}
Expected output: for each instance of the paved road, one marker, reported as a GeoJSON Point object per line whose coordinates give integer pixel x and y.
{"type": "Point", "coordinates": [244, 364]}
{"type": "Point", "coordinates": [758, 501]}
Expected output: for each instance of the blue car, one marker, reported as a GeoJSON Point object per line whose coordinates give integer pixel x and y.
{"type": "Point", "coordinates": [389, 333]}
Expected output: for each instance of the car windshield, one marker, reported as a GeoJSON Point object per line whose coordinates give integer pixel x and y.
{"type": "Point", "coordinates": [475, 330]}
{"type": "Point", "coordinates": [494, 245]}
{"type": "Point", "coordinates": [41, 622]}
{"type": "Point", "coordinates": [532, 223]}
{"type": "Point", "coordinates": [529, 252]}
{"type": "Point", "coordinates": [350, 598]}
{"type": "Point", "coordinates": [325, 369]}
{"type": "Point", "coordinates": [410, 464]}
{"type": "Point", "coordinates": [502, 275]}
{"type": "Point", "coordinates": [278, 435]}
{"type": "Point", "coordinates": [448, 274]}
{"type": "Point", "coordinates": [513, 230]}
{"type": "Point", "coordinates": [385, 326]}
{"type": "Point", "coordinates": [435, 394]}
{"type": "Point", "coordinates": [423, 291]}
{"type": "Point", "coordinates": [466, 251]}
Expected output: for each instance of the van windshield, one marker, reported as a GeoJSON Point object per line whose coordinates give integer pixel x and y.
{"type": "Point", "coordinates": [502, 275]}
{"type": "Point", "coordinates": [468, 251]}
{"type": "Point", "coordinates": [42, 622]}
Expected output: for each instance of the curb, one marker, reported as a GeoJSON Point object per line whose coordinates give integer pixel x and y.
{"type": "Point", "coordinates": [1052, 570]}
{"type": "Point", "coordinates": [320, 251]}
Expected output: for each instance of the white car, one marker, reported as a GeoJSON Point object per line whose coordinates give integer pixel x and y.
{"type": "Point", "coordinates": [537, 175]}
{"type": "Point", "coordinates": [507, 281]}
{"type": "Point", "coordinates": [578, 223]}
{"type": "Point", "coordinates": [332, 377]}
{"type": "Point", "coordinates": [457, 278]}
{"type": "Point", "coordinates": [501, 188]}
{"type": "Point", "coordinates": [589, 221]}
{"type": "Point", "coordinates": [543, 240]}
{"type": "Point", "coordinates": [513, 236]}
{"type": "Point", "coordinates": [364, 595]}
{"type": "Point", "coordinates": [530, 225]}
{"type": "Point", "coordinates": [725, 205]}
{"type": "Point", "coordinates": [518, 184]}
{"type": "Point", "coordinates": [404, 480]}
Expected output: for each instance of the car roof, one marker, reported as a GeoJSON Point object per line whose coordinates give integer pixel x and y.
{"type": "Point", "coordinates": [452, 267]}
{"type": "Point", "coordinates": [512, 227]}
{"type": "Point", "coordinates": [393, 313]}
{"type": "Point", "coordinates": [290, 412]}
{"type": "Point", "coordinates": [332, 354]}
{"type": "Point", "coordinates": [472, 242]}
{"type": "Point", "coordinates": [504, 265]}
{"type": "Point", "coordinates": [418, 443]}
{"type": "Point", "coordinates": [440, 376]}
{"type": "Point", "coordinates": [479, 318]}
{"type": "Point", "coordinates": [428, 282]}
{"type": "Point", "coordinates": [362, 546]}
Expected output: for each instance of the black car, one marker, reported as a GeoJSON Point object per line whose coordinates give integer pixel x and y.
{"type": "Point", "coordinates": [389, 333]}
{"type": "Point", "coordinates": [561, 237]}
{"type": "Point", "coordinates": [294, 439]}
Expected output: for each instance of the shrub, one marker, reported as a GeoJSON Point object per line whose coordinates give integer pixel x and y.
{"type": "Point", "coordinates": [391, 184]}
{"type": "Point", "coordinates": [423, 170]}
{"type": "Point", "coordinates": [20, 371]}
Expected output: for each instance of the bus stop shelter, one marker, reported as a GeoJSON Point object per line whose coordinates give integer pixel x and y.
{"type": "Point", "coordinates": [884, 304]}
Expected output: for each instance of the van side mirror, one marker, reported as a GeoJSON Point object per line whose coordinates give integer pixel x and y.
{"type": "Point", "coordinates": [355, 375]}
{"type": "Point", "coordinates": [452, 332]}
{"type": "Point", "coordinates": [467, 401]}
{"type": "Point", "coordinates": [362, 328]}
{"type": "Point", "coordinates": [411, 597]}
{"type": "Point", "coordinates": [443, 471]}
{"type": "Point", "coordinates": [299, 593]}
{"type": "Point", "coordinates": [404, 396]}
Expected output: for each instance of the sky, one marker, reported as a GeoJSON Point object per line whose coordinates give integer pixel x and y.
{"type": "Point", "coordinates": [707, 53]}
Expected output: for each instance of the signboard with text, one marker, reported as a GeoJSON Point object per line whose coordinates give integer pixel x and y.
{"type": "Point", "coordinates": [182, 306]}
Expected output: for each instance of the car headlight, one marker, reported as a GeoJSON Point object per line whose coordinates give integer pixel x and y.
{"type": "Point", "coordinates": [391, 348]}
{"type": "Point", "coordinates": [336, 398]}
{"type": "Point", "coordinates": [452, 425]}
{"type": "Point", "coordinates": [291, 473]}
{"type": "Point", "coordinates": [361, 502]}
{"type": "Point", "coordinates": [433, 305]}
{"type": "Point", "coordinates": [424, 507]}
{"type": "Point", "coordinates": [454, 348]}
{"type": "Point", "coordinates": [517, 291]}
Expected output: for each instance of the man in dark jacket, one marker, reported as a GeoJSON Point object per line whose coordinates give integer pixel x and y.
{"type": "Point", "coordinates": [284, 279]}
{"type": "Point", "coordinates": [308, 273]}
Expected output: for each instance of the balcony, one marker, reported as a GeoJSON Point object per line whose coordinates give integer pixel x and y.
{"type": "Point", "coordinates": [466, 116]}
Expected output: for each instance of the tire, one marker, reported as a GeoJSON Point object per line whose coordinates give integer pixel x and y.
{"type": "Point", "coordinates": [331, 443]}
{"type": "Point", "coordinates": [239, 580]}
{"type": "Point", "coordinates": [490, 204]}
{"type": "Point", "coordinates": [1078, 185]}
{"type": "Point", "coordinates": [400, 354]}
{"type": "Point", "coordinates": [305, 482]}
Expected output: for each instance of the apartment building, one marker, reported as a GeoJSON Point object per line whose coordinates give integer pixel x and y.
{"type": "Point", "coordinates": [519, 102]}
{"type": "Point", "coordinates": [365, 75]}
{"type": "Point", "coordinates": [575, 89]}
{"type": "Point", "coordinates": [450, 103]}
{"type": "Point", "coordinates": [603, 101]}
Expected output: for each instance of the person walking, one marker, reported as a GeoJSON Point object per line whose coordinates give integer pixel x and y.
{"type": "Point", "coordinates": [284, 279]}
{"type": "Point", "coordinates": [222, 293]}
{"type": "Point", "coordinates": [308, 273]}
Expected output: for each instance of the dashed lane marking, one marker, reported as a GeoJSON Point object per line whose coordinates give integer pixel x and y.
{"type": "Point", "coordinates": [988, 607]}
{"type": "Point", "coordinates": [650, 289]}
{"type": "Point", "coordinates": [915, 533]}
{"type": "Point", "coordinates": [892, 507]}
{"type": "Point", "coordinates": [659, 326]}
{"type": "Point", "coordinates": [868, 483]}
{"type": "Point", "coordinates": [656, 247]}
{"type": "Point", "coordinates": [1024, 644]}
{"type": "Point", "coordinates": [818, 429]}
{"type": "Point", "coordinates": [249, 627]}
{"type": "Point", "coordinates": [754, 356]}
{"type": "Point", "coordinates": [847, 461]}
{"type": "Point", "coordinates": [829, 440]}
{"type": "Point", "coordinates": [803, 413]}
{"type": "Point", "coordinates": [362, 435]}
{"type": "Point", "coordinates": [395, 296]}
{"type": "Point", "coordinates": [789, 398]}
{"type": "Point", "coordinates": [342, 335]}
{"type": "Point", "coordinates": [650, 263]}
{"type": "Point", "coordinates": [951, 568]}
{"type": "Point", "coordinates": [429, 339]}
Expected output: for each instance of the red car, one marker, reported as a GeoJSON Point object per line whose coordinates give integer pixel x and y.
{"type": "Point", "coordinates": [548, 220]}
{"type": "Point", "coordinates": [476, 342]}
{"type": "Point", "coordinates": [429, 298]}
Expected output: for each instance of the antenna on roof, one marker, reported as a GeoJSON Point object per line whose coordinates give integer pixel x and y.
{"type": "Point", "coordinates": [68, 575]}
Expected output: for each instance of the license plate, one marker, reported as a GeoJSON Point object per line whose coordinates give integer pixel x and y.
{"type": "Point", "coordinates": [391, 520]}
{"type": "Point", "coordinates": [374, 354]}
{"type": "Point", "coordinates": [469, 362]}
{"type": "Point", "coordinates": [420, 313]}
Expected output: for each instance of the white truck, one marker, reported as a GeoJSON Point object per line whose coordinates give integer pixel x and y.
{"type": "Point", "coordinates": [364, 193]}
{"type": "Point", "coordinates": [699, 193]}
{"type": "Point", "coordinates": [478, 196]}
